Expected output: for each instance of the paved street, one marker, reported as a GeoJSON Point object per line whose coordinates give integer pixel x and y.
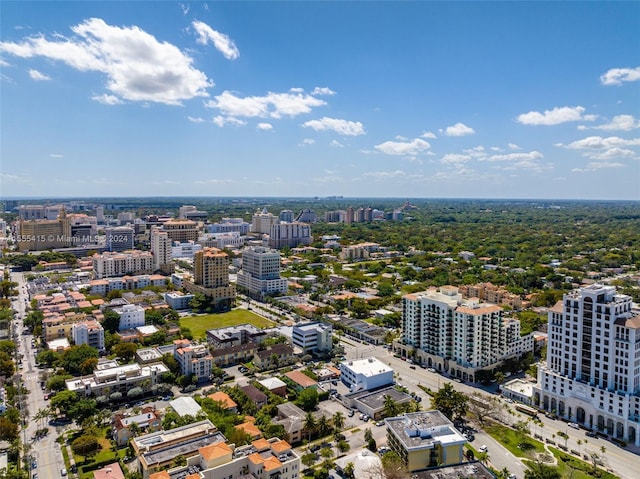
{"type": "Point", "coordinates": [623, 462]}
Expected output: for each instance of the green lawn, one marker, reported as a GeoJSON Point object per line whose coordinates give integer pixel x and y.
{"type": "Point", "coordinates": [510, 439]}
{"type": "Point", "coordinates": [200, 324]}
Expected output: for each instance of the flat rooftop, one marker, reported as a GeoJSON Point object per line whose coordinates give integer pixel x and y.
{"type": "Point", "coordinates": [468, 469]}
{"type": "Point", "coordinates": [375, 399]}
{"type": "Point", "coordinates": [424, 429]}
{"type": "Point", "coordinates": [367, 367]}
{"type": "Point", "coordinates": [185, 448]}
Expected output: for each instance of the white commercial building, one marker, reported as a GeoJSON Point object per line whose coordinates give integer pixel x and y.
{"type": "Point", "coordinates": [592, 374]}
{"type": "Point", "coordinates": [228, 225]}
{"type": "Point", "coordinates": [365, 374]}
{"type": "Point", "coordinates": [88, 332]}
{"type": "Point", "coordinates": [459, 336]}
{"type": "Point", "coordinates": [178, 300]}
{"type": "Point", "coordinates": [262, 221]}
{"type": "Point", "coordinates": [131, 316]}
{"type": "Point", "coordinates": [313, 337]}
{"type": "Point", "coordinates": [231, 239]}
{"type": "Point", "coordinates": [260, 273]}
{"type": "Point", "coordinates": [185, 250]}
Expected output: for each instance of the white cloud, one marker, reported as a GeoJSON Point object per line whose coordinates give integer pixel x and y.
{"type": "Point", "coordinates": [4, 63]}
{"type": "Point", "coordinates": [598, 142]}
{"type": "Point", "coordinates": [428, 134]}
{"type": "Point", "coordinates": [37, 76]}
{"type": "Point", "coordinates": [272, 105]}
{"type": "Point", "coordinates": [556, 116]}
{"type": "Point", "coordinates": [107, 99]}
{"type": "Point", "coordinates": [342, 127]}
{"type": "Point", "coordinates": [616, 76]}
{"type": "Point", "coordinates": [384, 175]}
{"type": "Point", "coordinates": [264, 126]}
{"type": "Point", "coordinates": [611, 153]}
{"type": "Point", "coordinates": [222, 42]}
{"type": "Point", "coordinates": [476, 152]}
{"type": "Point", "coordinates": [296, 90]}
{"type": "Point", "coordinates": [412, 147]}
{"type": "Point", "coordinates": [194, 119]}
{"type": "Point", "coordinates": [213, 181]}
{"type": "Point", "coordinates": [620, 122]}
{"type": "Point", "coordinates": [454, 158]}
{"type": "Point", "coordinates": [495, 148]}
{"type": "Point", "coordinates": [532, 155]}
{"type": "Point", "coordinates": [323, 91]}
{"type": "Point", "coordinates": [307, 142]}
{"type": "Point", "coordinates": [56, 155]}
{"type": "Point", "coordinates": [513, 146]}
{"type": "Point", "coordinates": [459, 129]}
{"type": "Point", "coordinates": [229, 120]}
{"type": "Point", "coordinates": [597, 165]}
{"type": "Point", "coordinates": [336, 144]}
{"type": "Point", "coordinates": [138, 67]}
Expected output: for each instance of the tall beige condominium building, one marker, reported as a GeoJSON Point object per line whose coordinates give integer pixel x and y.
{"type": "Point", "coordinates": [211, 277]}
{"type": "Point", "coordinates": [262, 221]}
{"type": "Point", "coordinates": [181, 230]}
{"type": "Point", "coordinates": [39, 235]}
{"type": "Point", "coordinates": [161, 250]}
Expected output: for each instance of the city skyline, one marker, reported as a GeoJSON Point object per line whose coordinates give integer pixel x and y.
{"type": "Point", "coordinates": [497, 100]}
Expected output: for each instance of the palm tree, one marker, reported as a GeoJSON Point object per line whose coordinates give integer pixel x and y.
{"type": "Point", "coordinates": [338, 421]}
{"type": "Point", "coordinates": [483, 457]}
{"type": "Point", "coordinates": [390, 406]}
{"type": "Point", "coordinates": [348, 470]}
{"type": "Point", "coordinates": [309, 424]}
{"type": "Point", "coordinates": [343, 446]}
{"type": "Point", "coordinates": [323, 426]}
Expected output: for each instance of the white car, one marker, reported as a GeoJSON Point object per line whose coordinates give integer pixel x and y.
{"type": "Point", "coordinates": [573, 425]}
{"type": "Point", "coordinates": [483, 448]}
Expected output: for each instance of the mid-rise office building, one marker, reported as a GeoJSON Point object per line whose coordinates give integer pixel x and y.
{"type": "Point", "coordinates": [231, 239]}
{"type": "Point", "coordinates": [108, 265]}
{"type": "Point", "coordinates": [286, 216]}
{"type": "Point", "coordinates": [185, 250]}
{"type": "Point", "coordinates": [119, 238]}
{"type": "Point", "coordinates": [592, 373]}
{"type": "Point", "coordinates": [260, 273]}
{"type": "Point", "coordinates": [181, 230]}
{"type": "Point", "coordinates": [313, 337]}
{"type": "Point", "coordinates": [457, 336]}
{"type": "Point", "coordinates": [289, 234]}
{"type": "Point", "coordinates": [40, 235]}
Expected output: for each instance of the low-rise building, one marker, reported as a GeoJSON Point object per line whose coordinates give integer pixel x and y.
{"type": "Point", "coordinates": [300, 380]}
{"type": "Point", "coordinates": [178, 300]}
{"type": "Point", "coordinates": [258, 397]}
{"type": "Point", "coordinates": [110, 471]}
{"type": "Point", "coordinates": [88, 332]}
{"type": "Point", "coordinates": [234, 336]}
{"type": "Point", "coordinates": [275, 386]}
{"type": "Point", "coordinates": [241, 353]}
{"type": "Point", "coordinates": [313, 337]}
{"type": "Point", "coordinates": [425, 439]}
{"type": "Point", "coordinates": [185, 406]}
{"type": "Point", "coordinates": [131, 316]}
{"type": "Point", "coordinates": [365, 374]}
{"type": "Point", "coordinates": [274, 357]}
{"type": "Point", "coordinates": [225, 400]}
{"type": "Point", "coordinates": [193, 359]}
{"type": "Point", "coordinates": [291, 417]}
{"type": "Point", "coordinates": [110, 378]}
{"type": "Point", "coordinates": [147, 421]}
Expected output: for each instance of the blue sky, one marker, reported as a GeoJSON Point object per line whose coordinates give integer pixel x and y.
{"type": "Point", "coordinates": [387, 99]}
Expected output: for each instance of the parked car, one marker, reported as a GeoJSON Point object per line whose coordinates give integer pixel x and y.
{"type": "Point", "coordinates": [591, 434]}
{"type": "Point", "coordinates": [380, 423]}
{"type": "Point", "coordinates": [573, 425]}
{"type": "Point", "coordinates": [351, 413]}
{"type": "Point", "coordinates": [483, 448]}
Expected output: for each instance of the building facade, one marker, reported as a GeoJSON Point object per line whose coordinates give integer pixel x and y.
{"type": "Point", "coordinates": [108, 265]}
{"type": "Point", "coordinates": [160, 249]}
{"type": "Point", "coordinates": [211, 278]}
{"type": "Point", "coordinates": [120, 238]}
{"type": "Point", "coordinates": [592, 374]}
{"type": "Point", "coordinates": [365, 374]}
{"type": "Point", "coordinates": [459, 337]}
{"type": "Point", "coordinates": [88, 332]}
{"type": "Point", "coordinates": [289, 234]}
{"type": "Point", "coordinates": [313, 337]}
{"type": "Point", "coordinates": [260, 273]}
{"type": "Point", "coordinates": [131, 316]}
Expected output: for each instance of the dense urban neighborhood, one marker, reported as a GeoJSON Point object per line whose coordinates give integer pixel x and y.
{"type": "Point", "coordinates": [316, 338]}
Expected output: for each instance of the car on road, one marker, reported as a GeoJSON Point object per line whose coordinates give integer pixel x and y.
{"type": "Point", "coordinates": [34, 476]}
{"type": "Point", "coordinates": [380, 423]}
{"type": "Point", "coordinates": [512, 476]}
{"type": "Point", "coordinates": [34, 465]}
{"type": "Point", "coordinates": [351, 413]}
{"type": "Point", "coordinates": [591, 434]}
{"type": "Point", "coordinates": [412, 367]}
{"type": "Point", "coordinates": [483, 448]}
{"type": "Point", "coordinates": [573, 425]}
{"type": "Point", "coordinates": [431, 370]}
{"type": "Point", "coordinates": [63, 472]}
{"type": "Point", "coordinates": [243, 369]}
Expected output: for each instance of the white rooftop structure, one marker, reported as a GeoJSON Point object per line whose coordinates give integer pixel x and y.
{"type": "Point", "coordinates": [185, 406]}
{"type": "Point", "coordinates": [365, 374]}
{"type": "Point", "coordinates": [145, 330]}
{"type": "Point", "coordinates": [272, 383]}
{"type": "Point", "coordinates": [55, 344]}
{"type": "Point", "coordinates": [368, 366]}
{"type": "Point", "coordinates": [365, 463]}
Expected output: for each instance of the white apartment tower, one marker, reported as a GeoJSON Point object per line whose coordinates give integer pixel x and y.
{"type": "Point", "coordinates": [260, 273]}
{"type": "Point", "coordinates": [459, 337]}
{"type": "Point", "coordinates": [88, 332]}
{"type": "Point", "coordinates": [160, 249]}
{"type": "Point", "coordinates": [592, 374]}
